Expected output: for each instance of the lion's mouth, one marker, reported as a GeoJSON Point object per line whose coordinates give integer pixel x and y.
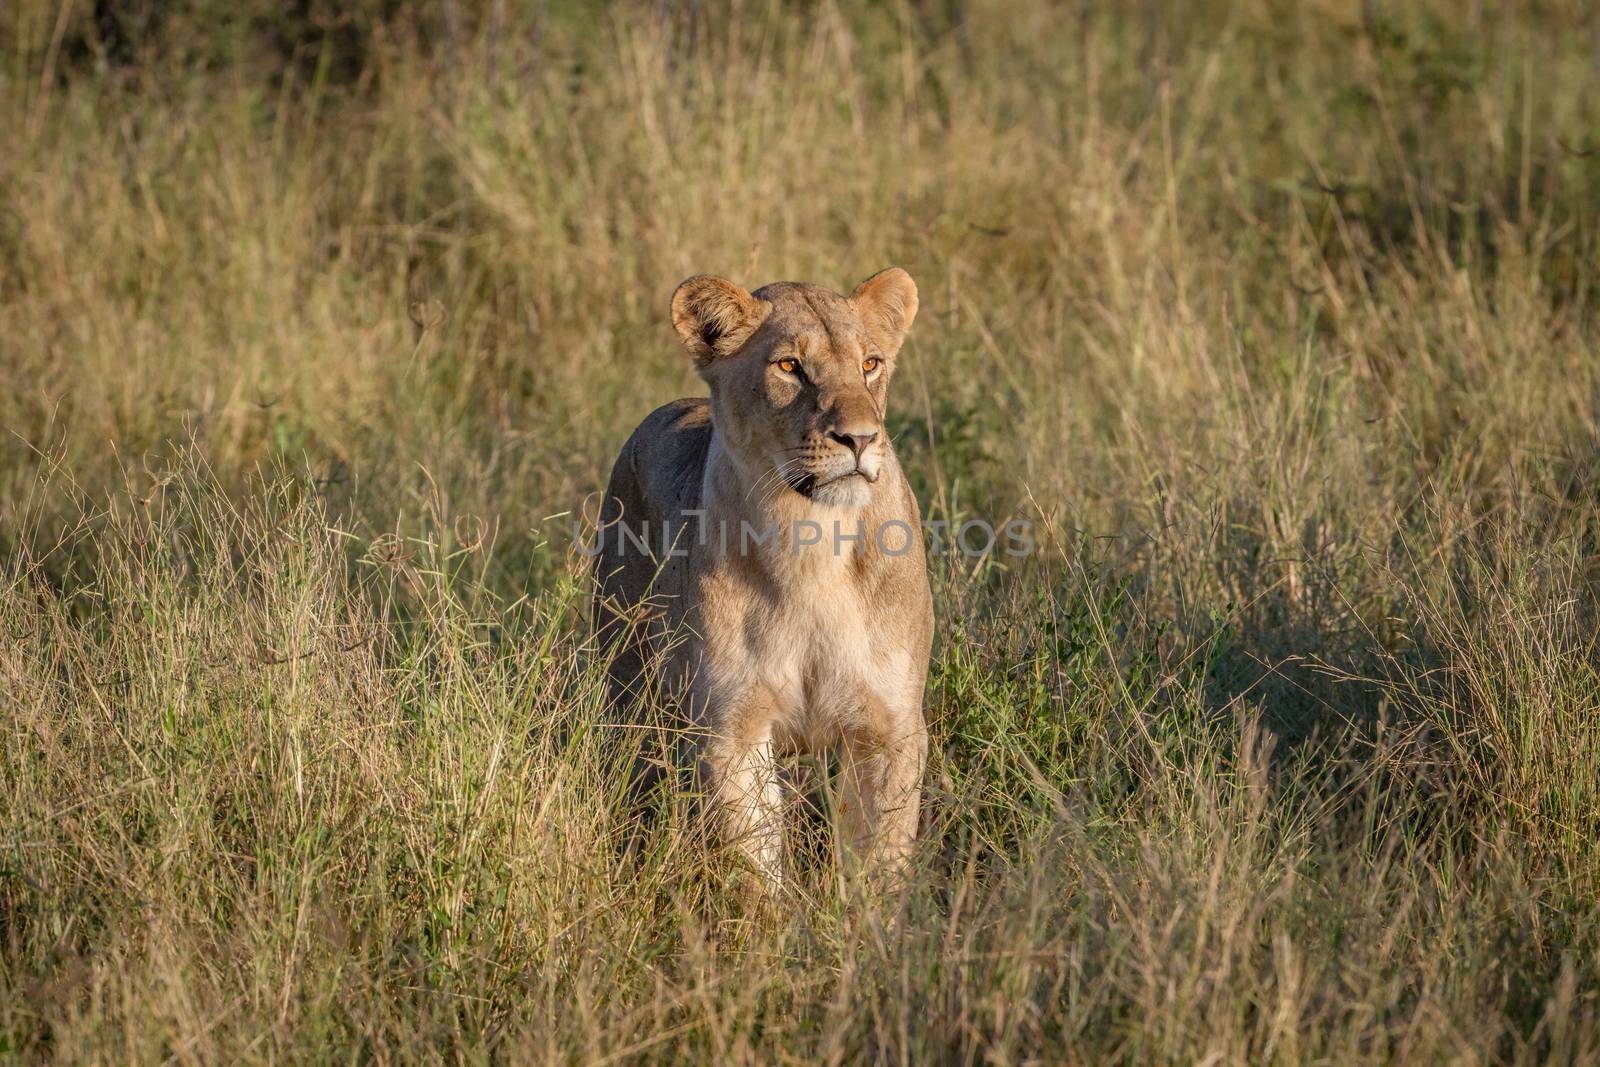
{"type": "Point", "coordinates": [807, 484]}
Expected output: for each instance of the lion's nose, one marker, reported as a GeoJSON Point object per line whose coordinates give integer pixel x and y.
{"type": "Point", "coordinates": [855, 442]}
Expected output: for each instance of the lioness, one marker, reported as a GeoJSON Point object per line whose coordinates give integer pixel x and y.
{"type": "Point", "coordinates": [764, 548]}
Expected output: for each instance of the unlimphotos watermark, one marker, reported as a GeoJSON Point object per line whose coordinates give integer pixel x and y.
{"type": "Point", "coordinates": [972, 538]}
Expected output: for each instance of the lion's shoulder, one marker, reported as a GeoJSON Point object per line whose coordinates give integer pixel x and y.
{"type": "Point", "coordinates": [666, 455]}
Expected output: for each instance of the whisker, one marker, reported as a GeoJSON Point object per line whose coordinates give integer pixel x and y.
{"type": "Point", "coordinates": [761, 482]}
{"type": "Point", "coordinates": [766, 478]}
{"type": "Point", "coordinates": [774, 481]}
{"type": "Point", "coordinates": [797, 465]}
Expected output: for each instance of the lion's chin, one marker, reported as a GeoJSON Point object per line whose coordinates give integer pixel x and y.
{"type": "Point", "coordinates": [847, 493]}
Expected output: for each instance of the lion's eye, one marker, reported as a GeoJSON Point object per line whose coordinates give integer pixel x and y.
{"type": "Point", "coordinates": [870, 364]}
{"type": "Point", "coordinates": [788, 366]}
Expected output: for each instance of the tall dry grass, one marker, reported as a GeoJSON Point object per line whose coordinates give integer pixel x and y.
{"type": "Point", "coordinates": [1277, 321]}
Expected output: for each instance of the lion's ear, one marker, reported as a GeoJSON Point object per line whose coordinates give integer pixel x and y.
{"type": "Point", "coordinates": [887, 302]}
{"type": "Point", "coordinates": [714, 317]}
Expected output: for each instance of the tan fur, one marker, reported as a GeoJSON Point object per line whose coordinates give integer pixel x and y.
{"type": "Point", "coordinates": [780, 647]}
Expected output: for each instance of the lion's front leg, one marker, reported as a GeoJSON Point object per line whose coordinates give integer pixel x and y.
{"type": "Point", "coordinates": [742, 787]}
{"type": "Point", "coordinates": [880, 793]}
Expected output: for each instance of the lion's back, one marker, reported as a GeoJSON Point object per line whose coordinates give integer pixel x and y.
{"type": "Point", "coordinates": [656, 478]}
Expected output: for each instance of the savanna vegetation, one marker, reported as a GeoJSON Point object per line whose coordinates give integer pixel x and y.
{"type": "Point", "coordinates": [1278, 321]}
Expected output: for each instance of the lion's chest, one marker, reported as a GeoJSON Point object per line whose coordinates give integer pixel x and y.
{"type": "Point", "coordinates": [815, 655]}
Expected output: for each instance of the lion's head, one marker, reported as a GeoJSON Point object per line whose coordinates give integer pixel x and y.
{"type": "Point", "coordinates": [799, 378]}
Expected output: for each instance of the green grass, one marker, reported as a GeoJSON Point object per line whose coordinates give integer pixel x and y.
{"type": "Point", "coordinates": [1277, 321]}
